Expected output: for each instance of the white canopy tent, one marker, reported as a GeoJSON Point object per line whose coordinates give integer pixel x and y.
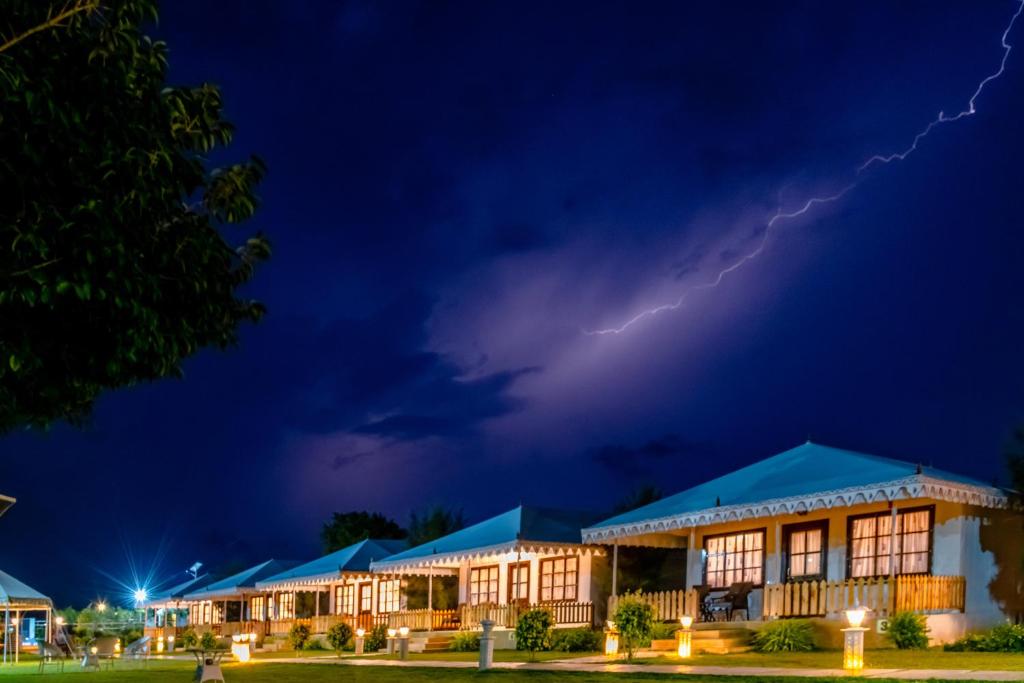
{"type": "Point", "coordinates": [16, 598]}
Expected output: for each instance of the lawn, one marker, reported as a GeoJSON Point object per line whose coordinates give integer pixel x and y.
{"type": "Point", "coordinates": [499, 656]}
{"type": "Point", "coordinates": [934, 658]}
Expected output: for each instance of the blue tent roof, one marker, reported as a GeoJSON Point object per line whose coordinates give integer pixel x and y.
{"type": "Point", "coordinates": [524, 523]}
{"type": "Point", "coordinates": [14, 592]}
{"type": "Point", "coordinates": [354, 558]}
{"type": "Point", "coordinates": [178, 591]}
{"type": "Point", "coordinates": [805, 470]}
{"type": "Point", "coordinates": [237, 583]}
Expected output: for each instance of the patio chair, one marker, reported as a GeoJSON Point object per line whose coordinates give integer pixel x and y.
{"type": "Point", "coordinates": [105, 647]}
{"type": "Point", "coordinates": [138, 650]}
{"type": "Point", "coordinates": [735, 600]}
{"type": "Point", "coordinates": [703, 602]}
{"type": "Point", "coordinates": [50, 654]}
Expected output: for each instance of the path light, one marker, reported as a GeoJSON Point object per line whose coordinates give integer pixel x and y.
{"type": "Point", "coordinates": [392, 632]}
{"type": "Point", "coordinates": [853, 639]}
{"type": "Point", "coordinates": [160, 644]}
{"type": "Point", "coordinates": [611, 639]}
{"type": "Point", "coordinates": [403, 642]}
{"type": "Point", "coordinates": [240, 648]}
{"type": "Point", "coordinates": [360, 635]}
{"type": "Point", "coordinates": [685, 637]}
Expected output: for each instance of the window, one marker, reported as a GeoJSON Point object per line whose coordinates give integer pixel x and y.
{"type": "Point", "coordinates": [806, 550]}
{"type": "Point", "coordinates": [558, 578]}
{"type": "Point", "coordinates": [256, 608]}
{"type": "Point", "coordinates": [285, 606]}
{"type": "Point", "coordinates": [483, 585]}
{"type": "Point", "coordinates": [218, 613]}
{"type": "Point", "coordinates": [345, 599]}
{"type": "Point", "coordinates": [388, 593]}
{"type": "Point", "coordinates": [519, 582]}
{"type": "Point", "coordinates": [871, 535]}
{"type": "Point", "coordinates": [734, 558]}
{"type": "Point", "coordinates": [365, 598]}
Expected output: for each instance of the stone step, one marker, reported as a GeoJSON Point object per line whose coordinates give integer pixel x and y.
{"type": "Point", "coordinates": [722, 633]}
{"type": "Point", "coordinates": [721, 649]}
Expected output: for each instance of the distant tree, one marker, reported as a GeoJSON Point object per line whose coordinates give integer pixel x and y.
{"type": "Point", "coordinates": [346, 528]}
{"type": "Point", "coordinates": [113, 265]}
{"type": "Point", "coordinates": [433, 523]}
{"type": "Point", "coordinates": [1014, 453]}
{"type": "Point", "coordinates": [637, 498]}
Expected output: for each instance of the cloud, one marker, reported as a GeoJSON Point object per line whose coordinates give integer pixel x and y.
{"type": "Point", "coordinates": [637, 461]}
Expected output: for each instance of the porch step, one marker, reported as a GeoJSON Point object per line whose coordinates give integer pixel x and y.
{"type": "Point", "coordinates": [438, 644]}
{"type": "Point", "coordinates": [722, 640]}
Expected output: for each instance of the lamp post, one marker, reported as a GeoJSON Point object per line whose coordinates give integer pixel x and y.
{"type": "Point", "coordinates": [403, 642]}
{"type": "Point", "coordinates": [392, 632]}
{"type": "Point", "coordinates": [486, 645]}
{"type": "Point", "coordinates": [853, 640]}
{"type": "Point", "coordinates": [611, 640]}
{"type": "Point", "coordinates": [685, 637]}
{"type": "Point", "coordinates": [360, 640]}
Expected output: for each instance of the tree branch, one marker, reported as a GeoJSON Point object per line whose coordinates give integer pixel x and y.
{"type": "Point", "coordinates": [71, 9]}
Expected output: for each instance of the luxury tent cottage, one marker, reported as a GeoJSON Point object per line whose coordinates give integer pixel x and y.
{"type": "Point", "coordinates": [224, 606]}
{"type": "Point", "coordinates": [330, 589]}
{"type": "Point", "coordinates": [166, 611]}
{"type": "Point", "coordinates": [815, 530]}
{"type": "Point", "coordinates": [22, 606]}
{"type": "Point", "coordinates": [493, 570]}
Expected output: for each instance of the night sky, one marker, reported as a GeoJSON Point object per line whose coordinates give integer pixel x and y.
{"type": "Point", "coordinates": [458, 191]}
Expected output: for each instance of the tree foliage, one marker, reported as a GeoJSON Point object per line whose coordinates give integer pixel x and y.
{"type": "Point", "coordinates": [637, 498]}
{"type": "Point", "coordinates": [433, 523]}
{"type": "Point", "coordinates": [114, 265]}
{"type": "Point", "coordinates": [338, 636]}
{"type": "Point", "coordinates": [533, 631]}
{"type": "Point", "coordinates": [634, 619]}
{"type": "Point", "coordinates": [346, 528]}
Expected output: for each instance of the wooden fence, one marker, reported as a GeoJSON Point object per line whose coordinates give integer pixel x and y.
{"type": "Point", "coordinates": [883, 596]}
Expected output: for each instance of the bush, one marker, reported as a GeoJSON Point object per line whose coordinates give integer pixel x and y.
{"type": "Point", "coordinates": [661, 630]}
{"type": "Point", "coordinates": [533, 632]}
{"type": "Point", "coordinates": [339, 635]}
{"type": "Point", "coordinates": [576, 640]}
{"type": "Point", "coordinates": [464, 641]}
{"type": "Point", "coordinates": [634, 619]}
{"type": "Point", "coordinates": [908, 631]}
{"type": "Point", "coordinates": [298, 635]}
{"type": "Point", "coordinates": [789, 635]}
{"type": "Point", "coordinates": [188, 638]}
{"type": "Point", "coordinates": [1003, 638]}
{"type": "Point", "coordinates": [208, 641]}
{"type": "Point", "coordinates": [376, 638]}
{"type": "Point", "coordinates": [313, 644]}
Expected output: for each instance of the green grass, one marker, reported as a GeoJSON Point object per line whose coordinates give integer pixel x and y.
{"type": "Point", "coordinates": [934, 658]}
{"type": "Point", "coordinates": [499, 656]}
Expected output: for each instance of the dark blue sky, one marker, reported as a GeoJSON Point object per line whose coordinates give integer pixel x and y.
{"type": "Point", "coordinates": [458, 190]}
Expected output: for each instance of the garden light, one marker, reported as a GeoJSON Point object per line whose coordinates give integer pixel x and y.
{"type": "Point", "coordinates": [611, 640]}
{"type": "Point", "coordinates": [853, 639]}
{"type": "Point", "coordinates": [240, 647]}
{"type": "Point", "coordinates": [855, 616]}
{"type": "Point", "coordinates": [685, 637]}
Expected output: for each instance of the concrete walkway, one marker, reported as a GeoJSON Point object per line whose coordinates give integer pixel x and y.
{"type": "Point", "coordinates": [588, 665]}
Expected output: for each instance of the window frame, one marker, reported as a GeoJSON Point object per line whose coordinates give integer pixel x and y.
{"type": "Point", "coordinates": [565, 584]}
{"type": "Point", "coordinates": [512, 584]}
{"type": "Point", "coordinates": [787, 532]}
{"type": "Point", "coordinates": [394, 591]}
{"type": "Point", "coordinates": [850, 519]}
{"type": "Point", "coordinates": [368, 585]}
{"type": "Point", "coordinates": [497, 588]}
{"type": "Point", "coordinates": [341, 592]}
{"type": "Point", "coordinates": [259, 614]}
{"type": "Point", "coordinates": [764, 554]}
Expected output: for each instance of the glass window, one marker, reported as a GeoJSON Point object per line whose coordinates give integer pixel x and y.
{"type": "Point", "coordinates": [806, 550]}
{"type": "Point", "coordinates": [256, 608]}
{"type": "Point", "coordinates": [365, 598]}
{"type": "Point", "coordinates": [345, 599]}
{"type": "Point", "coordinates": [872, 535]}
{"type": "Point", "coordinates": [483, 585]}
{"type": "Point", "coordinates": [519, 581]}
{"type": "Point", "coordinates": [285, 606]}
{"type": "Point", "coordinates": [388, 593]}
{"type": "Point", "coordinates": [559, 578]}
{"type": "Point", "coordinates": [734, 558]}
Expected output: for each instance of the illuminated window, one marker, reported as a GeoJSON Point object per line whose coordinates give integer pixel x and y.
{"type": "Point", "coordinates": [285, 606]}
{"type": "Point", "coordinates": [806, 548]}
{"type": "Point", "coordinates": [734, 558]}
{"type": "Point", "coordinates": [365, 598]}
{"type": "Point", "coordinates": [519, 582]}
{"type": "Point", "coordinates": [257, 608]}
{"type": "Point", "coordinates": [559, 578]}
{"type": "Point", "coordinates": [871, 537]}
{"type": "Point", "coordinates": [218, 612]}
{"type": "Point", "coordinates": [483, 585]}
{"type": "Point", "coordinates": [345, 599]}
{"type": "Point", "coordinates": [388, 594]}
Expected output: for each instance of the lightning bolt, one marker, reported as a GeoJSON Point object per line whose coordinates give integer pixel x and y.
{"type": "Point", "coordinates": [780, 215]}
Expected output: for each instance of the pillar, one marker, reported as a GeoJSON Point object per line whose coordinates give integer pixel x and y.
{"type": "Point", "coordinates": [615, 568]}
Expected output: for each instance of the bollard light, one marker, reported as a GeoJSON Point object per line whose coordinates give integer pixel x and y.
{"type": "Point", "coordinates": [685, 637]}
{"type": "Point", "coordinates": [853, 639]}
{"type": "Point", "coordinates": [240, 648]}
{"type": "Point", "coordinates": [403, 642]}
{"type": "Point", "coordinates": [611, 640]}
{"type": "Point", "coordinates": [360, 635]}
{"type": "Point", "coordinates": [404, 631]}
{"type": "Point", "coordinates": [392, 632]}
{"type": "Point", "coordinates": [160, 644]}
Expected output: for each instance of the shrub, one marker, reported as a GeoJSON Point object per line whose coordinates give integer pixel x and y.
{"type": "Point", "coordinates": [908, 631]}
{"type": "Point", "coordinates": [313, 644]}
{"type": "Point", "coordinates": [576, 640]}
{"type": "Point", "coordinates": [298, 635]}
{"type": "Point", "coordinates": [789, 635]}
{"type": "Point", "coordinates": [188, 638]}
{"type": "Point", "coordinates": [533, 632]}
{"type": "Point", "coordinates": [661, 630]}
{"type": "Point", "coordinates": [634, 619]}
{"type": "Point", "coordinates": [376, 638]}
{"type": "Point", "coordinates": [465, 641]}
{"type": "Point", "coordinates": [1002, 638]}
{"type": "Point", "coordinates": [338, 636]}
{"type": "Point", "coordinates": [208, 641]}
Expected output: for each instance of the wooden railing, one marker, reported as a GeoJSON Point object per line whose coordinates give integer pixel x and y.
{"type": "Point", "coordinates": [468, 617]}
{"type": "Point", "coordinates": [568, 612]}
{"type": "Point", "coordinates": [883, 596]}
